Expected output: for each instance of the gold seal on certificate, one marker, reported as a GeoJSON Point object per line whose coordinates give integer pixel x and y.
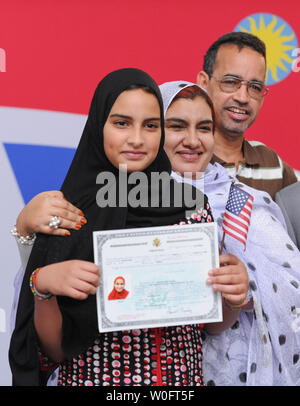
{"type": "Point", "coordinates": [156, 276]}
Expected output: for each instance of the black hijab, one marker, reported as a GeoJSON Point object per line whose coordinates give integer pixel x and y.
{"type": "Point", "coordinates": [80, 188]}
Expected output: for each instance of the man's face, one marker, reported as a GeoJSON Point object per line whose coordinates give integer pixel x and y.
{"type": "Point", "coordinates": [235, 112]}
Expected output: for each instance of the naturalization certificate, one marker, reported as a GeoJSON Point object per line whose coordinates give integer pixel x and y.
{"type": "Point", "coordinates": [156, 276]}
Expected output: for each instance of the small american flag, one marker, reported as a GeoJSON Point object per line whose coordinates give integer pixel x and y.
{"type": "Point", "coordinates": [237, 214]}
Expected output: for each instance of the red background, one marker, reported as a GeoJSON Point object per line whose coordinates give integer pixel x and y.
{"type": "Point", "coordinates": [58, 50]}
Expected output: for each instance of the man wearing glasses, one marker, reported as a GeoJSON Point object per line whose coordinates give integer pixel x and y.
{"type": "Point", "coordinates": [233, 73]}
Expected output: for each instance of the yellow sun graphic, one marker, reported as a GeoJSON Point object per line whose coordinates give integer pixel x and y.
{"type": "Point", "coordinates": [277, 43]}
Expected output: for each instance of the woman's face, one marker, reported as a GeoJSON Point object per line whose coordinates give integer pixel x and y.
{"type": "Point", "coordinates": [132, 131]}
{"type": "Point", "coordinates": [189, 141]}
{"type": "Point", "coordinates": [119, 285]}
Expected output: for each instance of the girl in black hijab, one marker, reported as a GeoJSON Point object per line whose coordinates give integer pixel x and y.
{"type": "Point", "coordinates": [146, 357]}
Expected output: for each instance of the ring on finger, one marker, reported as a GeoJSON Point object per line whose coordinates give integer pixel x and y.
{"type": "Point", "coordinates": [54, 222]}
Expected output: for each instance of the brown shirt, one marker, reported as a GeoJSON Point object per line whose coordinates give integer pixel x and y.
{"type": "Point", "coordinates": [262, 169]}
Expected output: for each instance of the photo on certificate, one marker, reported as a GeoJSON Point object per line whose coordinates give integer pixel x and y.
{"type": "Point", "coordinates": [156, 276]}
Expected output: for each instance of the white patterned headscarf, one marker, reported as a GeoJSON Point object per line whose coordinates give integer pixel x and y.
{"type": "Point", "coordinates": [170, 89]}
{"type": "Point", "coordinates": [263, 346]}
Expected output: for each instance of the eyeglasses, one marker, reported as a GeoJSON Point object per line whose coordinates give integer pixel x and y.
{"type": "Point", "coordinates": [231, 84]}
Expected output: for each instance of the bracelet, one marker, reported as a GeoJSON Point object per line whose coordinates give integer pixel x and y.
{"type": "Point", "coordinates": [232, 306]}
{"type": "Point", "coordinates": [28, 240]}
{"type": "Point", "coordinates": [32, 284]}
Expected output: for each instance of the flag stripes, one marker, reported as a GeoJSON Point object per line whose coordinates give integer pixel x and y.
{"type": "Point", "coordinates": [237, 214]}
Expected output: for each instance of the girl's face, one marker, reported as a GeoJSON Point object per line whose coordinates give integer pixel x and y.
{"type": "Point", "coordinates": [119, 285]}
{"type": "Point", "coordinates": [189, 141]}
{"type": "Point", "coordinates": [132, 131]}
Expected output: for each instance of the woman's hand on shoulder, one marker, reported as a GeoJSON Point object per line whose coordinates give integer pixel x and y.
{"type": "Point", "coordinates": [36, 215]}
{"type": "Point", "coordinates": [74, 278]}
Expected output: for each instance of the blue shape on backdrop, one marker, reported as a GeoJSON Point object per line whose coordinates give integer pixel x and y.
{"type": "Point", "coordinates": [38, 168]}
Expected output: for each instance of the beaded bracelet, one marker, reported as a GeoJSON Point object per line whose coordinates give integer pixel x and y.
{"type": "Point", "coordinates": [28, 240]}
{"type": "Point", "coordinates": [232, 306]}
{"type": "Point", "coordinates": [32, 284]}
